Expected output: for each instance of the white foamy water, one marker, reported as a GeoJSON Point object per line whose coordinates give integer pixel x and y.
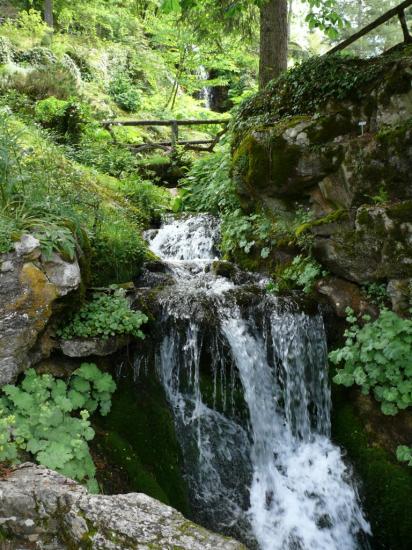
{"type": "Point", "coordinates": [261, 466]}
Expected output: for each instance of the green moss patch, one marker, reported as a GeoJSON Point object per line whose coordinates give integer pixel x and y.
{"type": "Point", "coordinates": [139, 436]}
{"type": "Point", "coordinates": [386, 487]}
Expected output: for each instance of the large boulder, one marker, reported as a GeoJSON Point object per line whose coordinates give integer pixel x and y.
{"type": "Point", "coordinates": [29, 287]}
{"type": "Point", "coordinates": [40, 508]}
{"type": "Point", "coordinates": [339, 143]}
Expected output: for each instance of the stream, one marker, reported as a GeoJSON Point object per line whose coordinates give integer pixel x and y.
{"type": "Point", "coordinates": [245, 374]}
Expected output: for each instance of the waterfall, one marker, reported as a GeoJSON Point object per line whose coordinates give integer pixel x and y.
{"type": "Point", "coordinates": [206, 93]}
{"type": "Point", "coordinates": [245, 374]}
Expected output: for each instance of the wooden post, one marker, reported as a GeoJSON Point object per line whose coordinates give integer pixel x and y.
{"type": "Point", "coordinates": [406, 35]}
{"type": "Point", "coordinates": [175, 133]}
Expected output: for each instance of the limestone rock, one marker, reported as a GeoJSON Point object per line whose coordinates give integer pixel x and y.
{"type": "Point", "coordinates": [86, 347]}
{"type": "Point", "coordinates": [27, 246]}
{"type": "Point", "coordinates": [28, 291]}
{"type": "Point", "coordinates": [42, 507]}
{"type": "Point", "coordinates": [64, 275]}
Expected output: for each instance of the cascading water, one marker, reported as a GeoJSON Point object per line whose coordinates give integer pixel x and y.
{"type": "Point", "coordinates": [246, 377]}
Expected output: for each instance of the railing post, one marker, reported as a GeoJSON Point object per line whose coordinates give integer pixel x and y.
{"type": "Point", "coordinates": [406, 34]}
{"type": "Point", "coordinates": [175, 134]}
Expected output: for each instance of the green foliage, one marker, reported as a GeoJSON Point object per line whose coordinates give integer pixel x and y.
{"type": "Point", "coordinates": [208, 186]}
{"type": "Point", "coordinates": [49, 419]}
{"type": "Point", "coordinates": [118, 253]}
{"type": "Point", "coordinates": [377, 293]}
{"type": "Point", "coordinates": [38, 56]}
{"type": "Point", "coordinates": [125, 93]}
{"type": "Point", "coordinates": [302, 274]}
{"type": "Point", "coordinates": [376, 357]}
{"type": "Point", "coordinates": [404, 454]}
{"type": "Point", "coordinates": [105, 316]}
{"type": "Point", "coordinates": [67, 118]}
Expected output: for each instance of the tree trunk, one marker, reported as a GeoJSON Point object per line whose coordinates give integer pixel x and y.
{"type": "Point", "coordinates": [48, 13]}
{"type": "Point", "coordinates": [273, 40]}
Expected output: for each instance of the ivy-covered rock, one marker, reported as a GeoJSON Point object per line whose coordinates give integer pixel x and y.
{"type": "Point", "coordinates": [334, 136]}
{"type": "Point", "coordinates": [43, 507]}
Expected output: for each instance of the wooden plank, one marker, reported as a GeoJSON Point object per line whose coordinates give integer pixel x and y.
{"type": "Point", "coordinates": [377, 23]}
{"type": "Point", "coordinates": [164, 122]}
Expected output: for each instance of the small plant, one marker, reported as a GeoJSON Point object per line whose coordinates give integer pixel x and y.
{"type": "Point", "coordinates": [125, 94]}
{"type": "Point", "coordinates": [377, 357]}
{"type": "Point", "coordinates": [49, 419]}
{"type": "Point", "coordinates": [301, 274]}
{"type": "Point", "coordinates": [404, 454]}
{"type": "Point", "coordinates": [103, 317]}
{"type": "Point", "coordinates": [377, 293]}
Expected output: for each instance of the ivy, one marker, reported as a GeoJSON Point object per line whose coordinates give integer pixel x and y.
{"type": "Point", "coordinates": [105, 316]}
{"type": "Point", "coordinates": [49, 418]}
{"type": "Point", "coordinates": [377, 357]}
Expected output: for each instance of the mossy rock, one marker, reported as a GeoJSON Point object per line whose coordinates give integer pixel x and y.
{"type": "Point", "coordinates": [386, 486]}
{"type": "Point", "coordinates": [375, 244]}
{"type": "Point", "coordinates": [281, 161]}
{"type": "Point", "coordinates": [138, 436]}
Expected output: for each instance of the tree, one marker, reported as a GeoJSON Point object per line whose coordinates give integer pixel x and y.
{"type": "Point", "coordinates": [274, 31]}
{"type": "Point", "coordinates": [273, 25]}
{"type": "Point", "coordinates": [48, 13]}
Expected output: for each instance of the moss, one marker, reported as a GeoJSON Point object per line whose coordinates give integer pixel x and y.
{"type": "Point", "coordinates": [139, 436]}
{"type": "Point", "coordinates": [386, 487]}
{"type": "Point", "coordinates": [334, 216]}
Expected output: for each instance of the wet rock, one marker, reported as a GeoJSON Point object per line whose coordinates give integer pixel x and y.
{"type": "Point", "coordinates": [400, 293]}
{"type": "Point", "coordinates": [93, 346]}
{"type": "Point", "coordinates": [43, 507]}
{"type": "Point", "coordinates": [342, 294]}
{"type": "Point", "coordinates": [223, 269]}
{"type": "Point", "coordinates": [376, 245]}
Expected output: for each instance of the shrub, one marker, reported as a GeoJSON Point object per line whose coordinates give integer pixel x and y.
{"type": "Point", "coordinates": [105, 316]}
{"type": "Point", "coordinates": [67, 118]}
{"type": "Point", "coordinates": [208, 186]}
{"type": "Point", "coordinates": [37, 57]}
{"type": "Point", "coordinates": [49, 419]}
{"type": "Point", "coordinates": [7, 51]}
{"type": "Point", "coordinates": [377, 357]}
{"type": "Point", "coordinates": [124, 93]}
{"type": "Point", "coordinates": [118, 253]}
{"type": "Point", "coordinates": [41, 82]}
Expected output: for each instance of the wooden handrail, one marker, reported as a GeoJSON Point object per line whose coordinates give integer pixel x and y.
{"type": "Point", "coordinates": [398, 10]}
{"type": "Point", "coordinates": [164, 122]}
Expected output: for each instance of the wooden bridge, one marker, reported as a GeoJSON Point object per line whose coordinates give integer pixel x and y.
{"type": "Point", "coordinates": [197, 145]}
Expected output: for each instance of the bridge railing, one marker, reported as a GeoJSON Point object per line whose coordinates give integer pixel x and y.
{"type": "Point", "coordinates": [396, 11]}
{"type": "Point", "coordinates": [174, 126]}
